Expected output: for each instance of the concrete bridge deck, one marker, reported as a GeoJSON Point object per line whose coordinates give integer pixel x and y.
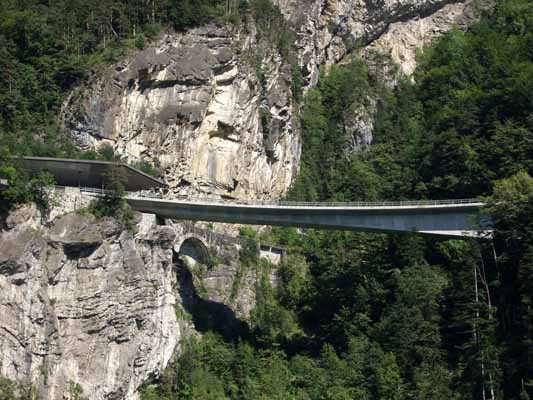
{"type": "Point", "coordinates": [456, 218]}
{"type": "Point", "coordinates": [452, 218]}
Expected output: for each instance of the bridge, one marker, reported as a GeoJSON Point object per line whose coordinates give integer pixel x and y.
{"type": "Point", "coordinates": [195, 242]}
{"type": "Point", "coordinates": [451, 218]}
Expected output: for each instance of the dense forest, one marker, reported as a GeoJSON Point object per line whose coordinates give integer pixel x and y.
{"type": "Point", "coordinates": [356, 316]}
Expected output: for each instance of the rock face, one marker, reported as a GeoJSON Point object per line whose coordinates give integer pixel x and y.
{"type": "Point", "coordinates": [87, 305]}
{"type": "Point", "coordinates": [402, 39]}
{"type": "Point", "coordinates": [225, 280]}
{"type": "Point", "coordinates": [193, 105]}
{"type": "Point", "coordinates": [386, 33]}
{"type": "Point", "coordinates": [330, 29]}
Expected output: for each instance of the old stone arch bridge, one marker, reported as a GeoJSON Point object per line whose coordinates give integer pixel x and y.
{"type": "Point", "coordinates": [199, 244]}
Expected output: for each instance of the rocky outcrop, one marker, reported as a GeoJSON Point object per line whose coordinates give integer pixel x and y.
{"type": "Point", "coordinates": [402, 39]}
{"type": "Point", "coordinates": [328, 30]}
{"type": "Point", "coordinates": [88, 306]}
{"type": "Point", "coordinates": [213, 108]}
{"type": "Point", "coordinates": [223, 278]}
{"type": "Point", "coordinates": [85, 306]}
{"type": "Point", "coordinates": [193, 106]}
{"type": "Point", "coordinates": [387, 34]}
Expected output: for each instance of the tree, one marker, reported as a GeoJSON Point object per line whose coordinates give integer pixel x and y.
{"type": "Point", "coordinates": [113, 202]}
{"type": "Point", "coordinates": [511, 208]}
{"type": "Point", "coordinates": [23, 187]}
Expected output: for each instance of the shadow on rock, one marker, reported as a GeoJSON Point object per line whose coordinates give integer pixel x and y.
{"type": "Point", "coordinates": [207, 315]}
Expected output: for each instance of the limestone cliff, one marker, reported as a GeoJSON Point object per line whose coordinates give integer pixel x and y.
{"type": "Point", "coordinates": [213, 108]}
{"type": "Point", "coordinates": [328, 30]}
{"type": "Point", "coordinates": [87, 305]}
{"type": "Point", "coordinates": [84, 304]}
{"type": "Point", "coordinates": [387, 34]}
{"type": "Point", "coordinates": [192, 105]}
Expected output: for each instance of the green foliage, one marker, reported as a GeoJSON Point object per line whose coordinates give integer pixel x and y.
{"type": "Point", "coordinates": [511, 204]}
{"type": "Point", "coordinates": [113, 204]}
{"type": "Point", "coordinates": [411, 326]}
{"type": "Point", "coordinates": [183, 14]}
{"type": "Point", "coordinates": [46, 48]}
{"type": "Point", "coordinates": [324, 118]}
{"type": "Point", "coordinates": [10, 390]}
{"type": "Point", "coordinates": [465, 122]}
{"type": "Point", "coordinates": [475, 97]}
{"type": "Point", "coordinates": [297, 81]}
{"type": "Point", "coordinates": [214, 369]}
{"type": "Point", "coordinates": [140, 41]}
{"type": "Point", "coordinates": [273, 325]}
{"type": "Point", "coordinates": [356, 315]}
{"type": "Point", "coordinates": [295, 282]}
{"type": "Point", "coordinates": [401, 317]}
{"type": "Point", "coordinates": [107, 153]}
{"type": "Point", "coordinates": [511, 208]}
{"type": "Point", "coordinates": [268, 17]}
{"type": "Point", "coordinates": [249, 251]}
{"type": "Point", "coordinates": [274, 30]}
{"type": "Point", "coordinates": [75, 391]}
{"type": "Point", "coordinates": [24, 188]}
{"type": "Point", "coordinates": [146, 167]}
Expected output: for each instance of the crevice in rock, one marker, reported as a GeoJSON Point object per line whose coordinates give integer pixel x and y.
{"type": "Point", "coordinates": [224, 131]}
{"type": "Point", "coordinates": [75, 251]}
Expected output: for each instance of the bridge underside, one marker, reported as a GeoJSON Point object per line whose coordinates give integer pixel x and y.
{"type": "Point", "coordinates": [444, 220]}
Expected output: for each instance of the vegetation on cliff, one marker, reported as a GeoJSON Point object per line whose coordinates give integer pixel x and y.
{"type": "Point", "coordinates": [47, 48]}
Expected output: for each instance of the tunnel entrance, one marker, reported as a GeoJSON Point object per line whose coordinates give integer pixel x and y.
{"type": "Point", "coordinates": [193, 251]}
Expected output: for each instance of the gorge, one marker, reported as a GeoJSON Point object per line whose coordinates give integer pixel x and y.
{"type": "Point", "coordinates": [307, 100]}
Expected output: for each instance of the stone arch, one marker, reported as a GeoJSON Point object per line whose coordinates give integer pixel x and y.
{"type": "Point", "coordinates": [194, 250]}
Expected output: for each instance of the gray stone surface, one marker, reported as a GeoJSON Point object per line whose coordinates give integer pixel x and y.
{"type": "Point", "coordinates": [192, 104]}
{"type": "Point", "coordinates": [89, 303]}
{"type": "Point", "coordinates": [86, 302]}
{"type": "Point", "coordinates": [387, 34]}
{"type": "Point", "coordinates": [328, 30]}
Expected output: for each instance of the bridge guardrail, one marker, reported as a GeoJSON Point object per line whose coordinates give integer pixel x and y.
{"type": "Point", "coordinates": [206, 200]}
{"type": "Point", "coordinates": [332, 204]}
{"type": "Point", "coordinates": [284, 203]}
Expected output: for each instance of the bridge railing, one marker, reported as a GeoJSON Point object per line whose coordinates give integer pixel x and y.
{"type": "Point", "coordinates": [284, 203]}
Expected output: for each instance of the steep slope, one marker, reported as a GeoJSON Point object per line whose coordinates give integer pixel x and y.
{"type": "Point", "coordinates": [213, 108]}
{"type": "Point", "coordinates": [193, 106]}
{"type": "Point", "coordinates": [328, 30]}
{"type": "Point", "coordinates": [85, 306]}
{"type": "Point", "coordinates": [91, 309]}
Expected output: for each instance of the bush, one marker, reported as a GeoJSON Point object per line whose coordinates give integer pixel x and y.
{"type": "Point", "coordinates": [114, 204]}
{"type": "Point", "coordinates": [249, 252]}
{"type": "Point", "coordinates": [146, 167]}
{"type": "Point", "coordinates": [10, 390]}
{"type": "Point", "coordinates": [23, 187]}
{"type": "Point", "coordinates": [140, 41]}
